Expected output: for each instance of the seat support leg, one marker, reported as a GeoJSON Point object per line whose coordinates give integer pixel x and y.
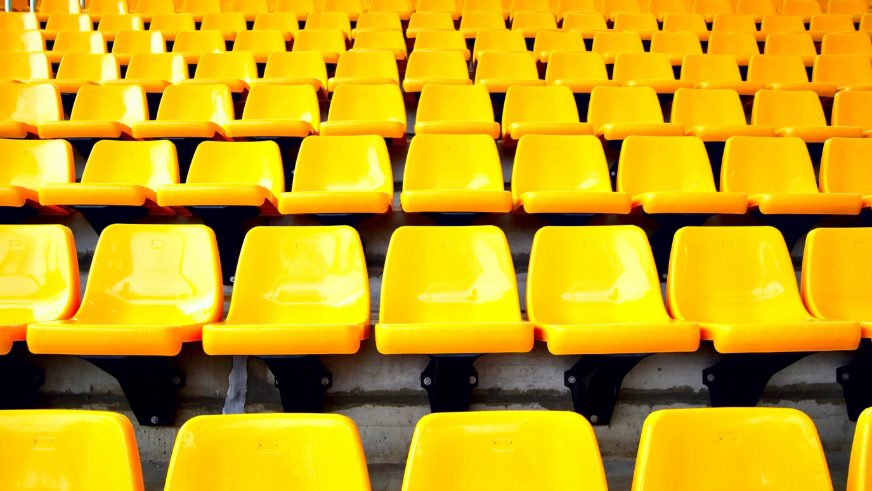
{"type": "Point", "coordinates": [302, 382]}
{"type": "Point", "coordinates": [856, 380]}
{"type": "Point", "coordinates": [595, 381]}
{"type": "Point", "coordinates": [151, 385]}
{"type": "Point", "coordinates": [449, 381]}
{"type": "Point", "coordinates": [738, 380]}
{"type": "Point", "coordinates": [19, 380]}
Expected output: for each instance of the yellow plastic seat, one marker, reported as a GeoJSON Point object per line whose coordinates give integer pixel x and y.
{"type": "Point", "coordinates": [378, 21]}
{"type": "Point", "coordinates": [866, 22]}
{"type": "Point", "coordinates": [474, 22]}
{"type": "Point", "coordinates": [314, 299]}
{"type": "Point", "coordinates": [284, 22]}
{"type": "Point", "coordinates": [791, 43]}
{"type": "Point", "coordinates": [261, 44]}
{"type": "Point", "coordinates": [229, 24]}
{"type": "Point", "coordinates": [112, 24]}
{"type": "Point", "coordinates": [442, 40]}
{"type": "Point", "coordinates": [128, 43]}
{"type": "Point", "coordinates": [851, 108]}
{"type": "Point", "coordinates": [550, 42]}
{"type": "Point", "coordinates": [611, 8]}
{"type": "Point", "coordinates": [330, 21]}
{"type": "Point", "coordinates": [758, 8]}
{"type": "Point", "coordinates": [428, 21]}
{"type": "Point", "coordinates": [147, 9]}
{"type": "Point", "coordinates": [771, 447]}
{"type": "Point", "coordinates": [216, 178]}
{"type": "Point", "coordinates": [564, 174]}
{"type": "Point", "coordinates": [689, 22]}
{"type": "Point", "coordinates": [154, 72]}
{"type": "Point", "coordinates": [435, 67]}
{"type": "Point", "coordinates": [23, 107]}
{"type": "Point", "coordinates": [74, 448]}
{"type": "Point", "coordinates": [100, 112]}
{"type": "Point", "coordinates": [250, 9]}
{"type": "Point", "coordinates": [296, 68]}
{"type": "Point", "coordinates": [689, 186]}
{"type": "Point", "coordinates": [498, 41]}
{"type": "Point", "coordinates": [486, 6]}
{"type": "Point", "coordinates": [642, 23]}
{"type": "Point", "coordinates": [48, 7]}
{"type": "Point", "coordinates": [193, 44]}
{"type": "Point", "coordinates": [661, 8]}
{"type": "Point", "coordinates": [823, 24]}
{"type": "Point", "coordinates": [147, 165]}
{"type": "Point", "coordinates": [854, 8]}
{"type": "Point", "coordinates": [439, 6]}
{"type": "Point", "coordinates": [390, 41]}
{"type": "Point", "coordinates": [604, 301]}
{"type": "Point", "coordinates": [609, 44]}
{"type": "Point", "coordinates": [464, 299]}
{"type": "Point", "coordinates": [98, 8]}
{"type": "Point", "coordinates": [773, 23]}
{"type": "Point", "coordinates": [302, 8]}
{"type": "Point", "coordinates": [340, 174]}
{"type": "Point", "coordinates": [58, 23]}
{"type": "Point", "coordinates": [170, 25]}
{"type": "Point", "coordinates": [541, 111]}
{"type": "Point", "coordinates": [365, 67]}
{"type": "Point", "coordinates": [588, 24]}
{"type": "Point", "coordinates": [517, 6]}
{"type": "Point", "coordinates": [778, 177]}
{"type": "Point", "coordinates": [77, 70]}
{"type": "Point", "coordinates": [797, 113]}
{"type": "Point", "coordinates": [366, 110]}
{"type": "Point", "coordinates": [858, 468]}
{"type": "Point", "coordinates": [848, 72]}
{"type": "Point", "coordinates": [581, 72]}
{"type": "Point", "coordinates": [436, 182]}
{"type": "Point", "coordinates": [565, 7]}
{"type": "Point", "coordinates": [277, 111]}
{"type": "Point", "coordinates": [236, 70]}
{"type": "Point", "coordinates": [276, 451]}
{"type": "Point", "coordinates": [618, 112]}
{"type": "Point", "coordinates": [785, 72]}
{"type": "Point", "coordinates": [456, 109]}
{"type": "Point", "coordinates": [499, 70]}
{"type": "Point", "coordinates": [33, 164]}
{"type": "Point", "coordinates": [403, 8]}
{"type": "Point", "coordinates": [18, 21]}
{"type": "Point", "coordinates": [172, 286]}
{"type": "Point", "coordinates": [716, 72]}
{"type": "Point", "coordinates": [189, 111]}
{"type": "Point", "coordinates": [713, 115]}
{"type": "Point", "coordinates": [199, 8]}
{"type": "Point", "coordinates": [676, 45]}
{"type": "Point", "coordinates": [77, 43]}
{"type": "Point", "coordinates": [329, 44]}
{"type": "Point", "coordinates": [710, 9]}
{"type": "Point", "coordinates": [846, 43]}
{"type": "Point", "coordinates": [737, 23]}
{"type": "Point", "coordinates": [647, 70]}
{"type": "Point", "coordinates": [805, 8]}
{"type": "Point", "coordinates": [741, 45]}
{"type": "Point", "coordinates": [25, 67]}
{"type": "Point", "coordinates": [351, 8]}
{"type": "Point", "coordinates": [844, 169]}
{"type": "Point", "coordinates": [529, 24]}
{"type": "Point", "coordinates": [714, 279]}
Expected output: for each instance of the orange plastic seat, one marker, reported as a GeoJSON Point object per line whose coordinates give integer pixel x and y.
{"type": "Point", "coordinates": [436, 182]}
{"type": "Point", "coordinates": [676, 45]}
{"type": "Point", "coordinates": [588, 24]}
{"type": "Point", "coordinates": [713, 115]}
{"type": "Point", "coordinates": [352, 8]}
{"type": "Point", "coordinates": [846, 43]}
{"type": "Point", "coordinates": [778, 177]}
{"type": "Point", "coordinates": [529, 24]}
{"type": "Point", "coordinates": [741, 45]}
{"type": "Point", "coordinates": [273, 111]}
{"type": "Point", "coordinates": [689, 22]}
{"type": "Point", "coordinates": [456, 109]}
{"type": "Point", "coordinates": [471, 6]}
{"type": "Point", "coordinates": [804, 8]}
{"type": "Point", "coordinates": [716, 72]}
{"type": "Point", "coordinates": [59, 22]}
{"type": "Point", "coordinates": [442, 40]}
{"type": "Point", "coordinates": [25, 67]}
{"type": "Point", "coordinates": [365, 68]}
{"type": "Point", "coordinates": [23, 107]}
{"type": "Point", "coordinates": [128, 43]}
{"type": "Point", "coordinates": [737, 23]}
{"type": "Point", "coordinates": [260, 44]}
{"type": "Point", "coordinates": [189, 111]}
{"type": "Point", "coordinates": [100, 112]}
{"type": "Point", "coordinates": [848, 72]}
{"type": "Point", "coordinates": [428, 21]}
{"type": "Point", "coordinates": [609, 44]}
{"type": "Point", "coordinates": [170, 25]}
{"type": "Point", "coordinates": [775, 23]}
{"type": "Point", "coordinates": [96, 9]}
{"type": "Point", "coordinates": [18, 21]}
{"type": "Point", "coordinates": [449, 7]}
{"type": "Point", "coordinates": [435, 67]}
{"type": "Point", "coordinates": [391, 41]}
{"type": "Point", "coordinates": [758, 8]}
{"type": "Point", "coordinates": [296, 68]}
{"type": "Point", "coordinates": [642, 23]}
{"type": "Point", "coordinates": [199, 8]}
{"type": "Point", "coordinates": [366, 110]}
{"type": "Point", "coordinates": [329, 21]}
{"type": "Point", "coordinates": [77, 43]}
{"type": "Point", "coordinates": [403, 8]}
{"type": "Point", "coordinates": [662, 8]}
{"type": "Point", "coordinates": [518, 6]}
{"type": "Point", "coordinates": [229, 24]}
{"type": "Point", "coordinates": [710, 9]}
{"type": "Point", "coordinates": [474, 22]}
{"type": "Point", "coordinates": [378, 21]}
{"type": "Point", "coordinates": [844, 168]}
{"type": "Point", "coordinates": [33, 164]}
{"type": "Point", "coordinates": [785, 72]}
{"type": "Point", "coordinates": [581, 72]}
{"type": "Point", "coordinates": [550, 42]}
{"type": "Point", "coordinates": [689, 187]}
{"type": "Point", "coordinates": [340, 174]}
{"type": "Point", "coordinates": [564, 174]}
{"type": "Point", "coordinates": [851, 108]}
{"type": "Point", "coordinates": [823, 24]}
{"type": "Point", "coordinates": [611, 8]}
{"type": "Point", "coordinates": [566, 7]}
{"type": "Point", "coordinates": [154, 72]}
{"type": "Point", "coordinates": [464, 299]}
{"type": "Point", "coordinates": [327, 43]}
{"type": "Point", "coordinates": [250, 9]}
{"type": "Point", "coordinates": [618, 112]}
{"type": "Point", "coordinates": [77, 70]}
{"type": "Point", "coordinates": [112, 24]}
{"type": "Point", "coordinates": [604, 301]}
{"type": "Point", "coordinates": [854, 8]}
{"type": "Point", "coordinates": [541, 110]}
{"type": "Point", "coordinates": [284, 22]}
{"type": "Point", "coordinates": [498, 41]}
{"type": "Point", "coordinates": [48, 7]}
{"type": "Point", "coordinates": [796, 113]}
{"type": "Point", "coordinates": [791, 43]}
{"type": "Point", "coordinates": [858, 468]}
{"type": "Point", "coordinates": [236, 70]}
{"type": "Point", "coordinates": [499, 70]}
{"type": "Point", "coordinates": [148, 9]}
{"type": "Point", "coordinates": [302, 8]}
{"type": "Point", "coordinates": [647, 70]}
{"type": "Point", "coordinates": [193, 44]}
{"type": "Point", "coordinates": [172, 284]}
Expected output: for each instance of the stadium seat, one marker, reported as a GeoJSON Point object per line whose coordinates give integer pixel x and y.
{"type": "Point", "coordinates": [439, 6]}
{"type": "Point", "coordinates": [456, 109]}
{"type": "Point", "coordinates": [268, 452]}
{"type": "Point", "coordinates": [609, 44]}
{"type": "Point", "coordinates": [550, 42]}
{"type": "Point", "coordinates": [402, 8]}
{"type": "Point", "coordinates": [851, 72]}
{"type": "Point", "coordinates": [611, 8]}
{"type": "Point", "coordinates": [785, 72]}
{"type": "Point", "coordinates": [529, 24]}
{"type": "Point", "coordinates": [713, 115]}
{"type": "Point", "coordinates": [758, 8]}
{"type": "Point", "coordinates": [48, 7]}
{"type": "Point", "coordinates": [851, 108]}
{"type": "Point", "coordinates": [96, 9]}
{"type": "Point", "coordinates": [647, 70]}
{"type": "Point", "coordinates": [111, 24]}
{"type": "Point", "coordinates": [797, 113]}
{"type": "Point", "coordinates": [737, 23]}
{"type": "Point", "coordinates": [302, 8]}
{"type": "Point", "coordinates": [147, 165]}
{"type": "Point", "coordinates": [499, 70]}
{"type": "Point", "coordinates": [463, 300]}
{"type": "Point", "coordinates": [778, 177]}
{"type": "Point", "coordinates": [716, 72]}
{"type": "Point", "coordinates": [805, 8]}
{"type": "Point", "coordinates": [689, 22]}
{"type": "Point", "coordinates": [781, 444]}
{"type": "Point", "coordinates": [260, 44]}
{"type": "Point", "coordinates": [565, 7]}
{"type": "Point", "coordinates": [77, 70]}
{"type": "Point", "coordinates": [365, 68]}
{"type": "Point", "coordinates": [284, 22]}
{"type": "Point", "coordinates": [189, 111]}
{"type": "Point", "coordinates": [435, 67]}
{"type": "Point", "coordinates": [366, 110]}
{"type": "Point", "coordinates": [296, 68]}
{"type": "Point", "coordinates": [661, 8]}
{"type": "Point", "coordinates": [18, 21]}
{"type": "Point", "coordinates": [351, 8]}
{"type": "Point", "coordinates": [277, 111]}
{"type": "Point", "coordinates": [32, 165]}
{"type": "Point", "coordinates": [25, 68]}
{"type": "Point", "coordinates": [330, 21]}
{"type": "Point", "coordinates": [378, 21]}
{"type": "Point", "coordinates": [442, 40]}
{"type": "Point", "coordinates": [474, 22]}
{"type": "Point", "coordinates": [327, 43]}
{"type": "Point", "coordinates": [487, 449]}
{"type": "Point", "coordinates": [340, 174]}
{"type": "Point", "coordinates": [773, 23]}
{"type": "Point", "coordinates": [199, 8]}
{"type": "Point", "coordinates": [193, 44]}
{"type": "Point", "coordinates": [714, 279]}
{"type": "Point", "coordinates": [710, 9]}
{"type": "Point", "coordinates": [235, 70]}
{"type": "Point", "coordinates": [498, 41]}
{"type": "Point", "coordinates": [170, 25]}
{"type": "Point", "coordinates": [148, 9]}
{"type": "Point", "coordinates": [858, 468]}
{"type": "Point", "coordinates": [581, 72]}
{"type": "Point", "coordinates": [741, 45]}
{"type": "Point", "coordinates": [518, 6]}
{"type": "Point", "coordinates": [77, 43]}
{"type": "Point", "coordinates": [840, 43]}
{"type": "Point", "coordinates": [100, 112]}
{"type": "Point", "coordinates": [854, 8]}
{"type": "Point", "coordinates": [822, 24]}
{"type": "Point", "coordinates": [250, 9]}
{"type": "Point", "coordinates": [391, 41]}
{"type": "Point", "coordinates": [791, 43]}
{"type": "Point", "coordinates": [676, 45]}
{"type": "Point", "coordinates": [618, 112]}
{"type": "Point", "coordinates": [564, 174]}
{"type": "Point", "coordinates": [844, 168]}
{"type": "Point", "coordinates": [428, 21]}
{"type": "Point", "coordinates": [171, 279]}
{"type": "Point", "coordinates": [154, 72]}
{"type": "Point", "coordinates": [474, 6]}
{"type": "Point", "coordinates": [229, 24]}
{"type": "Point", "coordinates": [866, 22]}
{"type": "Point", "coordinates": [541, 111]}
{"type": "Point", "coordinates": [435, 181]}
{"type": "Point", "coordinates": [58, 23]}
{"type": "Point", "coordinates": [588, 24]}
{"type": "Point", "coordinates": [642, 23]}
{"type": "Point", "coordinates": [23, 107]}
{"type": "Point", "coordinates": [128, 43]}
{"type": "Point", "coordinates": [76, 448]}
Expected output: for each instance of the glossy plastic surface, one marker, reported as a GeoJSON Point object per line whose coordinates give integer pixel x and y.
{"type": "Point", "coordinates": [189, 111]}
{"type": "Point", "coordinates": [851, 108]}
{"type": "Point", "coordinates": [499, 70]}
{"type": "Point", "coordinates": [785, 72]}
{"type": "Point", "coordinates": [442, 40]}
{"type": "Point", "coordinates": [228, 23]}
{"type": "Point", "coordinates": [170, 25]}
{"type": "Point", "coordinates": [791, 43]}
{"type": "Point", "coordinates": [260, 44]}
{"type": "Point", "coordinates": [325, 20]}
{"type": "Point", "coordinates": [111, 24]}
{"type": "Point", "coordinates": [285, 22]}
{"type": "Point", "coordinates": [390, 41]}
{"type": "Point", "coordinates": [365, 68]}
{"type": "Point", "coordinates": [642, 23]}
{"type": "Point", "coordinates": [100, 112]}
{"type": "Point", "coordinates": [550, 42]}
{"type": "Point", "coordinates": [846, 43]}
{"type": "Point", "coordinates": [192, 44]}
{"type": "Point", "coordinates": [25, 67]}
{"type": "Point", "coordinates": [853, 72]}
{"type": "Point", "coordinates": [581, 72]}
{"type": "Point", "coordinates": [676, 45]}
{"type": "Point", "coordinates": [529, 23]}
{"type": "Point", "coordinates": [296, 68]}
{"type": "Point", "coordinates": [277, 111]}
{"type": "Point", "coordinates": [22, 107]}
{"type": "Point", "coordinates": [236, 70]}
{"type": "Point", "coordinates": [79, 69]}
{"type": "Point", "coordinates": [797, 113]}
{"type": "Point", "coordinates": [845, 167]}
{"type": "Point", "coordinates": [155, 72]}
{"type": "Point", "coordinates": [742, 45]}
{"type": "Point", "coordinates": [21, 42]}
{"type": "Point", "coordinates": [609, 44]}
{"type": "Point", "coordinates": [128, 43]}
{"type": "Point", "coordinates": [618, 112]}
{"type": "Point", "coordinates": [541, 110]}
{"type": "Point", "coordinates": [498, 40]}
{"type": "Point", "coordinates": [713, 115]}
{"type": "Point", "coordinates": [859, 473]}
{"type": "Point", "coordinates": [588, 24]}
{"type": "Point", "coordinates": [69, 42]}
{"type": "Point", "coordinates": [428, 21]}
{"type": "Point", "coordinates": [366, 110]}
{"type": "Point", "coordinates": [452, 109]}
{"type": "Point", "coordinates": [435, 68]}
{"type": "Point", "coordinates": [716, 72]}
{"type": "Point", "coordinates": [647, 70]}
{"type": "Point", "coordinates": [31, 165]}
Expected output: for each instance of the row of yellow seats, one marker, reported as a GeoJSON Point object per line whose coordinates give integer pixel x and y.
{"type": "Point", "coordinates": [731, 448]}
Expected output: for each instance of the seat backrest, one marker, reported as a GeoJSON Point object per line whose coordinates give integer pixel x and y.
{"type": "Point", "coordinates": [277, 451]}
{"type": "Point", "coordinates": [133, 42]}
{"type": "Point", "coordinates": [218, 163]}
{"type": "Point", "coordinates": [32, 103]}
{"type": "Point", "coordinates": [530, 23]}
{"type": "Point", "coordinates": [248, 7]}
{"type": "Point", "coordinates": [694, 107]}
{"type": "Point", "coordinates": [643, 158]}
{"type": "Point", "coordinates": [146, 163]}
{"type": "Point", "coordinates": [120, 22]}
{"type": "Point", "coordinates": [157, 66]}
{"type": "Point", "coordinates": [780, 108]}
{"type": "Point", "coordinates": [594, 274]}
{"type": "Point", "coordinates": [276, 21]}
{"type": "Point", "coordinates": [734, 23]}
{"type": "Point", "coordinates": [122, 103]}
{"type": "Point", "coordinates": [559, 163]}
{"type": "Point", "coordinates": [789, 43]}
{"type": "Point", "coordinates": [584, 22]}
{"type": "Point", "coordinates": [238, 65]}
{"type": "Point", "coordinates": [488, 449]}
{"type": "Point", "coordinates": [153, 7]}
{"type": "Point", "coordinates": [319, 41]}
{"type": "Point", "coordinates": [104, 7]}
{"type": "Point", "coordinates": [613, 7]}
{"type": "Point", "coordinates": [525, 103]}
{"type": "Point", "coordinates": [68, 22]}
{"type": "Point", "coordinates": [773, 23]}
{"type": "Point", "coordinates": [835, 267]}
{"type": "Point", "coordinates": [172, 23]}
{"type": "Point", "coordinates": [283, 102]}
{"type": "Point", "coordinates": [831, 23]}
{"type": "Point", "coordinates": [642, 22]}
{"type": "Point", "coordinates": [730, 448]}
{"type": "Point", "coordinates": [642, 66]}
{"type": "Point", "coordinates": [660, 8]}
{"type": "Point", "coordinates": [33, 163]}
{"type": "Point", "coordinates": [429, 163]}
{"type": "Point", "coordinates": [689, 22]}
{"type": "Point", "coordinates": [712, 8]}
{"type": "Point", "coordinates": [199, 42]}
{"type": "Point", "coordinates": [800, 7]}
{"type": "Point", "coordinates": [506, 64]}
{"type": "Point", "coordinates": [468, 277]}
{"type": "Point", "coordinates": [343, 163]}
{"type": "Point", "coordinates": [769, 69]}
{"type": "Point", "coordinates": [851, 108]}
{"type": "Point", "coordinates": [758, 8]}
{"type": "Point", "coordinates": [328, 20]}
{"type": "Point", "coordinates": [76, 449]}
{"type": "Point", "coordinates": [350, 7]}
{"type": "Point", "coordinates": [617, 42]}
{"type": "Point", "coordinates": [18, 21]}
{"type": "Point", "coordinates": [302, 64]}
{"type": "Point", "coordinates": [368, 64]}
{"type": "Point", "coordinates": [440, 40]}
{"type": "Point", "coordinates": [200, 7]}
{"type": "Point", "coordinates": [196, 103]}
{"type": "Point", "coordinates": [223, 21]}
{"type": "Point", "coordinates": [25, 66]}
{"type": "Point", "coordinates": [430, 21]}
{"type": "Point", "coordinates": [842, 70]}
{"type": "Point", "coordinates": [302, 8]}
{"type": "Point", "coordinates": [59, 6]}
{"type": "Point", "coordinates": [454, 103]}
{"type": "Point", "coordinates": [154, 274]}
{"type": "Point", "coordinates": [379, 21]}
{"type": "Point", "coordinates": [732, 43]}
{"type": "Point", "coordinates": [855, 7]}
{"type": "Point", "coordinates": [498, 41]}
{"type": "Point", "coordinates": [732, 275]}
{"type": "Point", "coordinates": [367, 102]}
{"type": "Point", "coordinates": [79, 42]}
{"type": "Point", "coordinates": [575, 66]}
{"type": "Point", "coordinates": [700, 68]}
{"type": "Point", "coordinates": [859, 476]}
{"type": "Point", "coordinates": [845, 166]}
{"type": "Point", "coordinates": [754, 165]}
{"type": "Point", "coordinates": [846, 43]}
{"type": "Point", "coordinates": [88, 66]}
{"type": "Point", "coordinates": [436, 64]}
{"type": "Point", "coordinates": [21, 41]}
{"type": "Point", "coordinates": [623, 105]}
{"type": "Point", "coordinates": [554, 41]}
{"type": "Point", "coordinates": [392, 41]}
{"type": "Point", "coordinates": [676, 43]}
